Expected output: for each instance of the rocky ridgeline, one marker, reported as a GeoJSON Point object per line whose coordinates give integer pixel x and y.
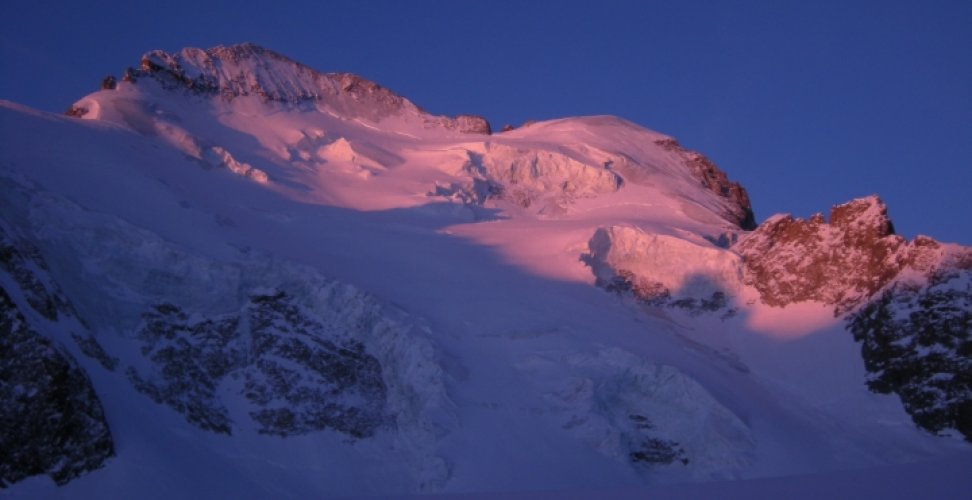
{"type": "Point", "coordinates": [842, 263]}
{"type": "Point", "coordinates": [740, 209]}
{"type": "Point", "coordinates": [247, 69]}
{"type": "Point", "coordinates": [296, 374]}
{"type": "Point", "coordinates": [910, 303]}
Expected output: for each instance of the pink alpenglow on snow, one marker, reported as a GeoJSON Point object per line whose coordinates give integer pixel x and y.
{"type": "Point", "coordinates": [270, 281]}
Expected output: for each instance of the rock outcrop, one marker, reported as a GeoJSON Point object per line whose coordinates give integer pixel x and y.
{"type": "Point", "coordinates": [52, 420]}
{"type": "Point", "coordinates": [909, 304]}
{"type": "Point", "coordinates": [715, 180]}
{"type": "Point", "coordinates": [22, 261]}
{"type": "Point", "coordinates": [248, 70]}
{"type": "Point", "coordinates": [842, 263]}
{"type": "Point", "coordinates": [297, 374]}
{"type": "Point", "coordinates": [473, 124]}
{"type": "Point", "coordinates": [916, 341]}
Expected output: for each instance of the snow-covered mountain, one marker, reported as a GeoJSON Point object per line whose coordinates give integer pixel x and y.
{"type": "Point", "coordinates": [229, 268]}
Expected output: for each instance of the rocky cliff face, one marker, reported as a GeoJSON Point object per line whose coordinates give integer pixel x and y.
{"type": "Point", "coordinates": [916, 340]}
{"type": "Point", "coordinates": [909, 302]}
{"type": "Point", "coordinates": [52, 420]}
{"type": "Point", "coordinates": [715, 180]}
{"type": "Point", "coordinates": [297, 374]}
{"type": "Point", "coordinates": [841, 263]}
{"type": "Point", "coordinates": [250, 70]}
{"type": "Point", "coordinates": [23, 263]}
{"type": "Point", "coordinates": [472, 124]}
{"type": "Point", "coordinates": [284, 352]}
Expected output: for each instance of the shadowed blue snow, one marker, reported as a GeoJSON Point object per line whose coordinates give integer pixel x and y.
{"type": "Point", "coordinates": [808, 104]}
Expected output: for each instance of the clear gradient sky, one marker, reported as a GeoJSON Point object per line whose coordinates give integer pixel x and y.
{"type": "Point", "coordinates": [806, 103]}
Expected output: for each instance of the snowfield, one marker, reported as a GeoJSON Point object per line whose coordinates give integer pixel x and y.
{"type": "Point", "coordinates": [554, 310]}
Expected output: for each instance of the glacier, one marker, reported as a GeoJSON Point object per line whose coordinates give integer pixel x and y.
{"type": "Point", "coordinates": [281, 282]}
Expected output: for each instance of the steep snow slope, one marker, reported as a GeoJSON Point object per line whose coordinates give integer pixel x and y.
{"type": "Point", "coordinates": [305, 281]}
{"type": "Point", "coordinates": [301, 127]}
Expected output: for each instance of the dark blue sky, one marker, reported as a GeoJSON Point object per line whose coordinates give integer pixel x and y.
{"type": "Point", "coordinates": [806, 103]}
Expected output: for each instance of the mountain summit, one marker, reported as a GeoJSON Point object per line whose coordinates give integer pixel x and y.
{"type": "Point", "coordinates": [246, 70]}
{"type": "Point", "coordinates": [265, 280]}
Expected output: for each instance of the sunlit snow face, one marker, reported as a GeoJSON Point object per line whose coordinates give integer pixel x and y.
{"type": "Point", "coordinates": [792, 322]}
{"type": "Point", "coordinates": [477, 302]}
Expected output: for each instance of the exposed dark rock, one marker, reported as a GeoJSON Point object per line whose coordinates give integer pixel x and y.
{"type": "Point", "coordinates": [473, 124]}
{"type": "Point", "coordinates": [298, 375]}
{"type": "Point", "coordinates": [92, 349]}
{"type": "Point", "coordinates": [651, 450]}
{"type": "Point", "coordinates": [325, 383]}
{"type": "Point", "coordinates": [109, 83]}
{"type": "Point", "coordinates": [52, 420]}
{"type": "Point", "coordinates": [23, 262]}
{"type": "Point", "coordinates": [914, 327]}
{"type": "Point", "coordinates": [658, 452]}
{"type": "Point", "coordinates": [655, 294]}
{"type": "Point", "coordinates": [192, 357]}
{"type": "Point", "coordinates": [171, 71]}
{"type": "Point", "coordinates": [917, 342]}
{"type": "Point", "coordinates": [76, 111]}
{"type": "Point", "coordinates": [715, 180]}
{"type": "Point", "coordinates": [242, 70]}
{"type": "Point", "coordinates": [842, 263]}
{"type": "Point", "coordinates": [649, 292]}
